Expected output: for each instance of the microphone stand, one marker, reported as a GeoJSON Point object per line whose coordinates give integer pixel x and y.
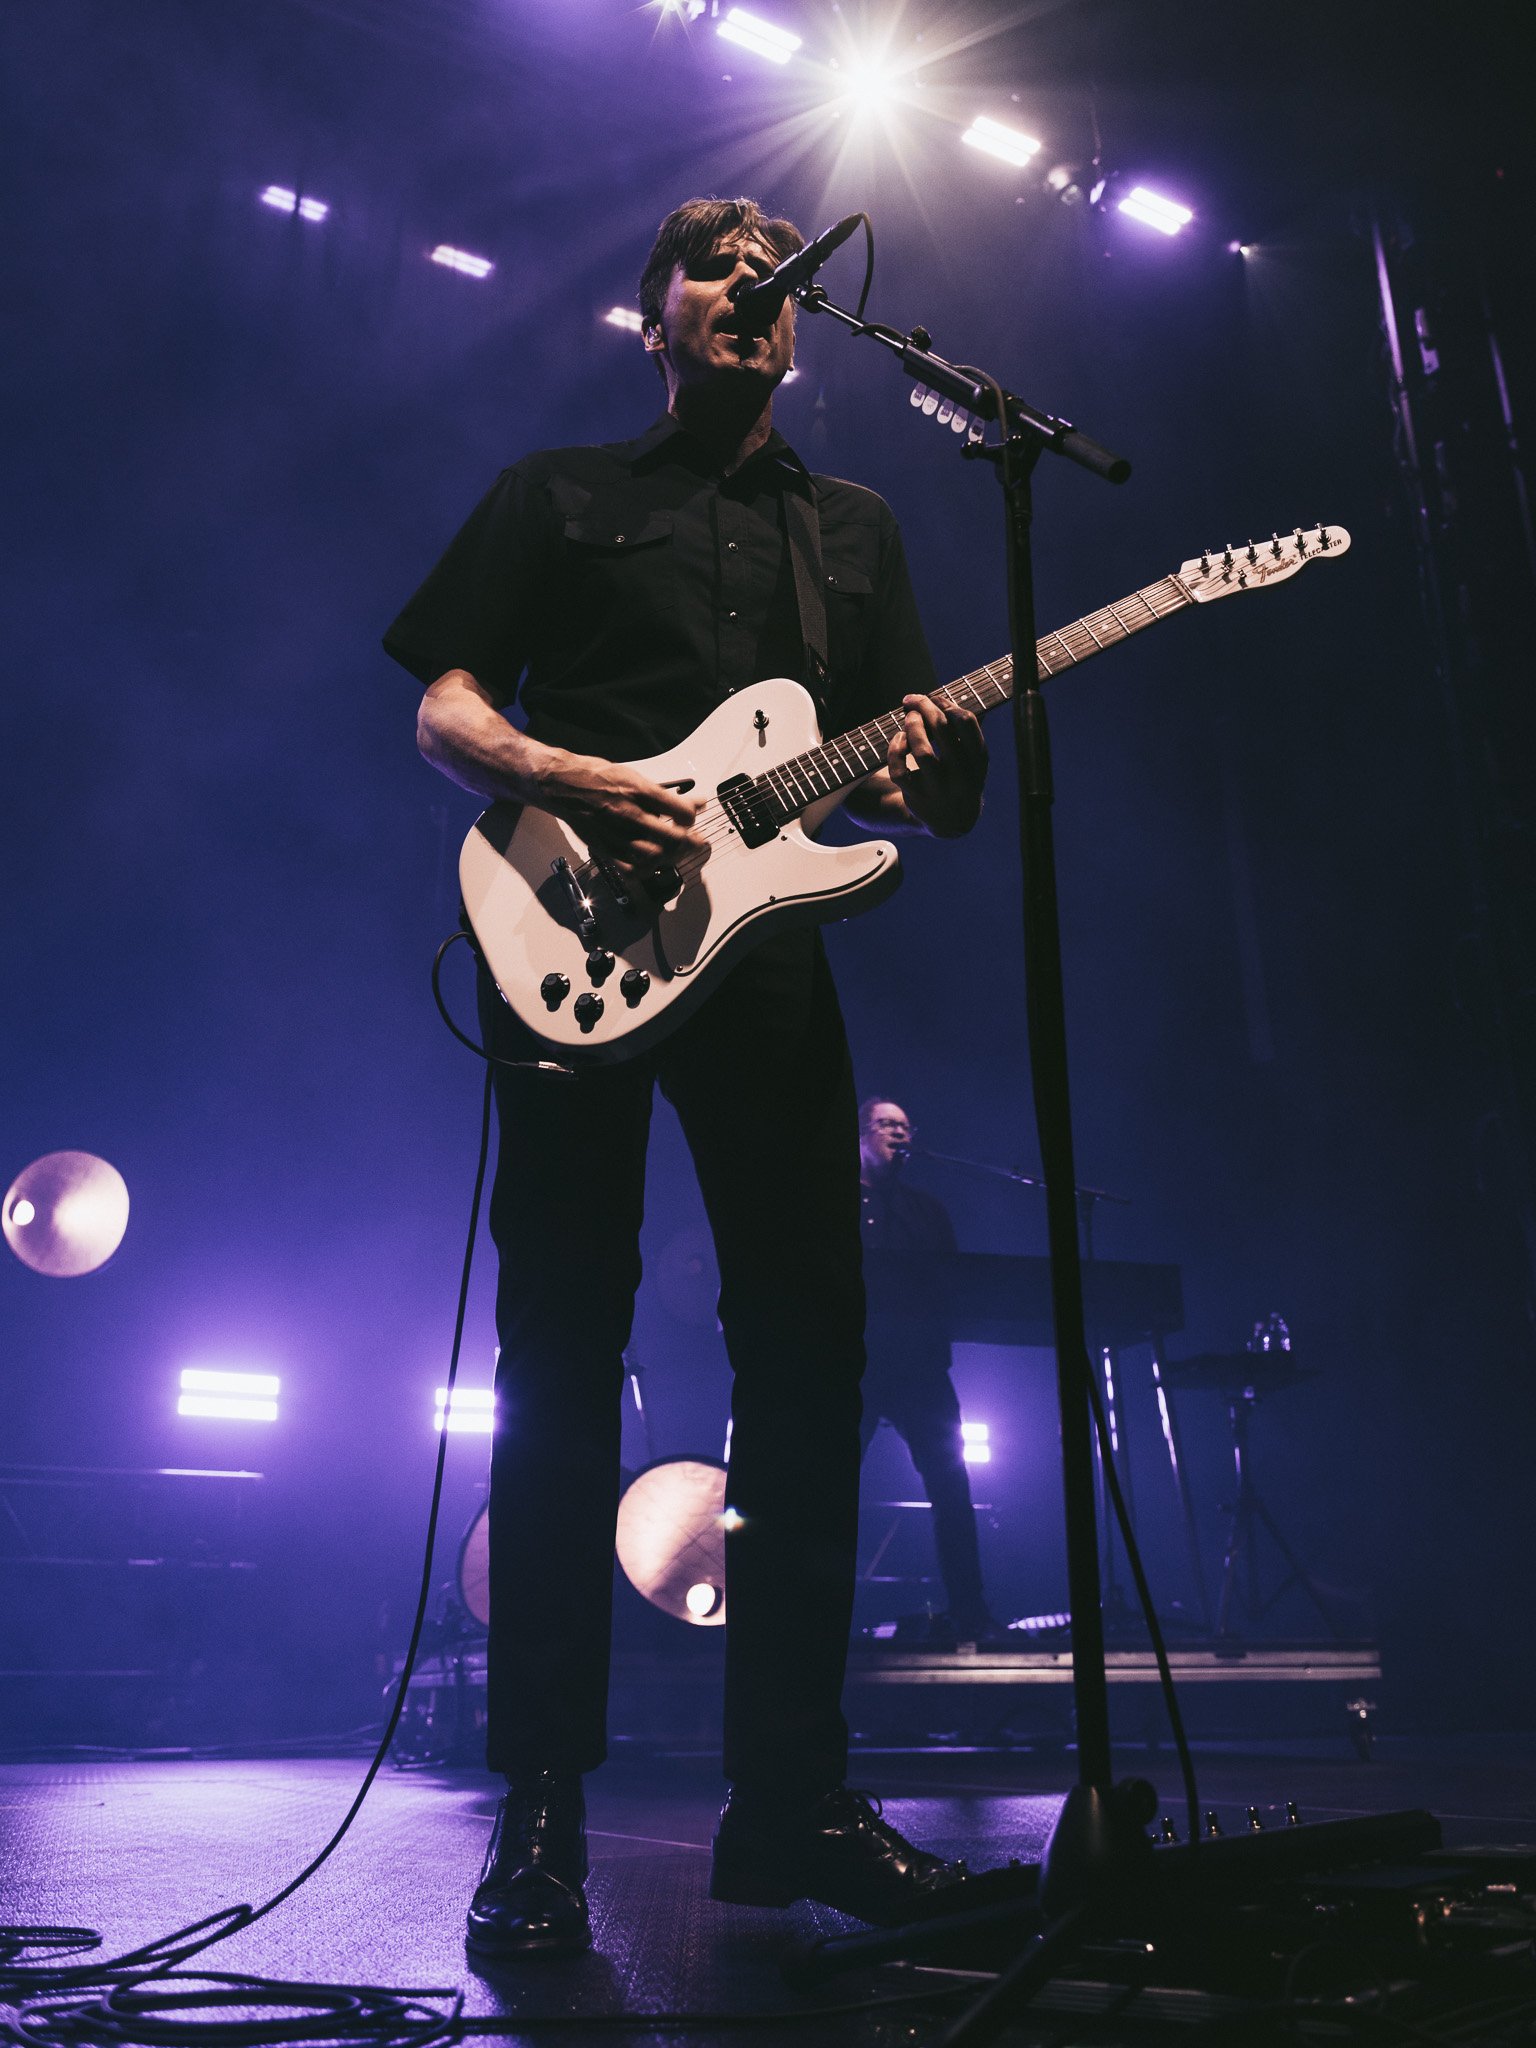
{"type": "Point", "coordinates": [1097, 1847]}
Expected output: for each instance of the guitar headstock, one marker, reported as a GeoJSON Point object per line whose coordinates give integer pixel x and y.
{"type": "Point", "coordinates": [1221, 572]}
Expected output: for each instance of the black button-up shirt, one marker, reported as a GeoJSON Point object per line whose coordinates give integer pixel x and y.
{"type": "Point", "coordinates": [626, 589]}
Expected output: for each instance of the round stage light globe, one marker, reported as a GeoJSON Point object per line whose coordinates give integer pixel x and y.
{"type": "Point", "coordinates": [65, 1214]}
{"type": "Point", "coordinates": [671, 1538]}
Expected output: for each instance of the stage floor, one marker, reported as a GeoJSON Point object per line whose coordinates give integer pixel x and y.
{"type": "Point", "coordinates": [135, 1849]}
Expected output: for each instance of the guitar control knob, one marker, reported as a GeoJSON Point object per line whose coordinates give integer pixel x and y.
{"type": "Point", "coordinates": [588, 1009]}
{"type": "Point", "coordinates": [599, 965]}
{"type": "Point", "coordinates": [554, 988]}
{"type": "Point", "coordinates": [633, 984]}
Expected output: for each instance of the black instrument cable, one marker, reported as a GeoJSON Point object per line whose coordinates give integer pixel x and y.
{"type": "Point", "coordinates": [146, 1998]}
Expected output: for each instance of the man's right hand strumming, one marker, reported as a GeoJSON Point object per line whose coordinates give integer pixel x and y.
{"type": "Point", "coordinates": [620, 813]}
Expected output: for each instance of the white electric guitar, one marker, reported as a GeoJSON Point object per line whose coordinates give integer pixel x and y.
{"type": "Point", "coordinates": [600, 965]}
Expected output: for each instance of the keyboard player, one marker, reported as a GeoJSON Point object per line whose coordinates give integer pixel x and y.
{"type": "Point", "coordinates": [907, 1381]}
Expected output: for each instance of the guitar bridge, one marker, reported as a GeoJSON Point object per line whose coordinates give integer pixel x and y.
{"type": "Point", "coordinates": [581, 902]}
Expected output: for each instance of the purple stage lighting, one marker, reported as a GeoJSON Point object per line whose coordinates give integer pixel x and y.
{"type": "Point", "coordinates": [461, 261]}
{"type": "Point", "coordinates": [976, 1443]}
{"type": "Point", "coordinates": [626, 317]}
{"type": "Point", "coordinates": [1166, 215]}
{"type": "Point", "coordinates": [284, 201]}
{"type": "Point", "coordinates": [228, 1396]}
{"type": "Point", "coordinates": [762, 38]}
{"type": "Point", "coordinates": [1009, 145]}
{"type": "Point", "coordinates": [472, 1411]}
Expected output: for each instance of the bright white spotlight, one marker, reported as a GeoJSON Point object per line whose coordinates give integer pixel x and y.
{"type": "Point", "coordinates": [1009, 145]}
{"type": "Point", "coordinates": [702, 1599]}
{"type": "Point", "coordinates": [472, 1411]}
{"type": "Point", "coordinates": [868, 88]}
{"type": "Point", "coordinates": [627, 317]}
{"type": "Point", "coordinates": [230, 1396]}
{"type": "Point", "coordinates": [284, 201]}
{"type": "Point", "coordinates": [461, 260]}
{"type": "Point", "coordinates": [762, 38]}
{"type": "Point", "coordinates": [23, 1213]}
{"type": "Point", "coordinates": [1166, 215]}
{"type": "Point", "coordinates": [976, 1443]}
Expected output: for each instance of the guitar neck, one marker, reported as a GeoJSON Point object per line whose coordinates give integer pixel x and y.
{"type": "Point", "coordinates": [838, 763]}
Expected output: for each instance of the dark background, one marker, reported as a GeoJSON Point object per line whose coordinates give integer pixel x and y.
{"type": "Point", "coordinates": [1294, 856]}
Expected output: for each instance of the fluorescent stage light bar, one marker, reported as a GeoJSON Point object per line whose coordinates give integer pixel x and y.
{"type": "Point", "coordinates": [976, 1443]}
{"type": "Point", "coordinates": [473, 1411]}
{"type": "Point", "coordinates": [1164, 214]}
{"type": "Point", "coordinates": [233, 1396]}
{"type": "Point", "coordinates": [1010, 145]}
{"type": "Point", "coordinates": [762, 38]}
{"type": "Point", "coordinates": [627, 317]}
{"type": "Point", "coordinates": [284, 201]}
{"type": "Point", "coordinates": [461, 260]}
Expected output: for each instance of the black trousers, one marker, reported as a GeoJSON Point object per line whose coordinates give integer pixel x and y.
{"type": "Point", "coordinates": [762, 1083]}
{"type": "Point", "coordinates": [916, 1394]}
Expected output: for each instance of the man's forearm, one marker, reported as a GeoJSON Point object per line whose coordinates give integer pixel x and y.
{"type": "Point", "coordinates": [462, 733]}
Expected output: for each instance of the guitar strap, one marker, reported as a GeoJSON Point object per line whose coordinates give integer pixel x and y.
{"type": "Point", "coordinates": [804, 534]}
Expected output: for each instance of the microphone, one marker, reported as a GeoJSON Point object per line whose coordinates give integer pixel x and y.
{"type": "Point", "coordinates": [900, 1154]}
{"type": "Point", "coordinates": [758, 300]}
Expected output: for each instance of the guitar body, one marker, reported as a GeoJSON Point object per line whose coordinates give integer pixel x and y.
{"type": "Point", "coordinates": [649, 962]}
{"type": "Point", "coordinates": [600, 966]}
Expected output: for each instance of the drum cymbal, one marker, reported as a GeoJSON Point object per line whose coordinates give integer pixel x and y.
{"type": "Point", "coordinates": [671, 1538]}
{"type": "Point", "coordinates": [65, 1214]}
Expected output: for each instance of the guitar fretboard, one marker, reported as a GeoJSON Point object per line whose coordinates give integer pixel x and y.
{"type": "Point", "coordinates": [852, 755]}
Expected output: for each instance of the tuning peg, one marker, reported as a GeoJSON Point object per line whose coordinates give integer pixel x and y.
{"type": "Point", "coordinates": [1253, 553]}
{"type": "Point", "coordinates": [1205, 563]}
{"type": "Point", "coordinates": [1275, 550]}
{"type": "Point", "coordinates": [1226, 560]}
{"type": "Point", "coordinates": [1242, 577]}
{"type": "Point", "coordinates": [1323, 538]}
{"type": "Point", "coordinates": [1301, 546]}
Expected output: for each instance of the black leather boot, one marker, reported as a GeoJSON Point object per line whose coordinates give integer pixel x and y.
{"type": "Point", "coordinates": [837, 1850]}
{"type": "Point", "coordinates": [529, 1900]}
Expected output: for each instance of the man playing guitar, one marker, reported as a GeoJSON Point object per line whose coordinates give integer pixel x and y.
{"type": "Point", "coordinates": [618, 594]}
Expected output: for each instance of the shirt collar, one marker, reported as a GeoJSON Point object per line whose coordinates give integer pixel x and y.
{"type": "Point", "coordinates": [661, 435]}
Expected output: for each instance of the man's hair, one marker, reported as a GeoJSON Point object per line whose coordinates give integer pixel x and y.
{"type": "Point", "coordinates": [870, 1104]}
{"type": "Point", "coordinates": [689, 234]}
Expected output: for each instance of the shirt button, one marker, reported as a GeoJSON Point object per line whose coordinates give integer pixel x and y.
{"type": "Point", "coordinates": [618, 539]}
{"type": "Point", "coordinates": [730, 547]}
{"type": "Point", "coordinates": [730, 615]}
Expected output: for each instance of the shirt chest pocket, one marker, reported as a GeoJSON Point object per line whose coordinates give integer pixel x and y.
{"type": "Point", "coordinates": [622, 565]}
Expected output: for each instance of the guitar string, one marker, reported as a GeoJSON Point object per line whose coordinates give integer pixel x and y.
{"type": "Point", "coordinates": [781, 779]}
